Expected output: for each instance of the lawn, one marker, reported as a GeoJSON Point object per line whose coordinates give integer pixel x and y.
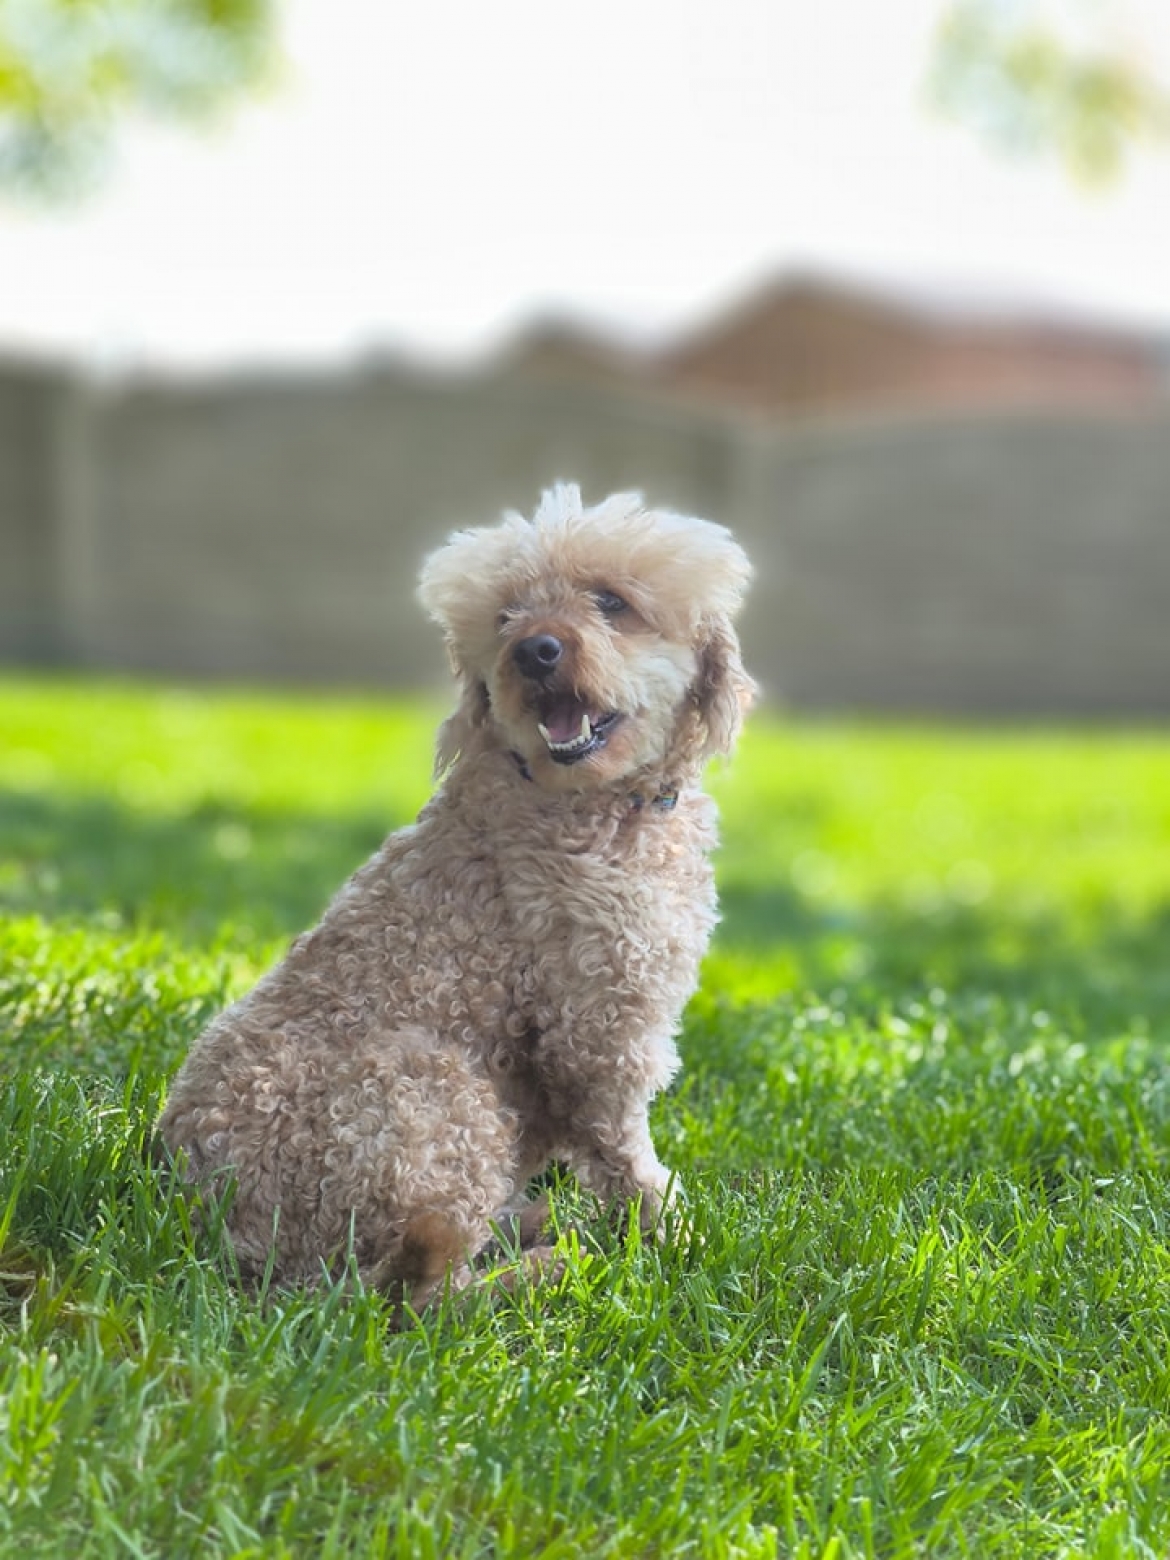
{"type": "Point", "coordinates": [921, 1302]}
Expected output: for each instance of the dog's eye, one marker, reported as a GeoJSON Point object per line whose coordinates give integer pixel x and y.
{"type": "Point", "coordinates": [609, 602]}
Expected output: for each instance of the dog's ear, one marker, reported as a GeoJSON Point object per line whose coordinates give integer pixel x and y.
{"type": "Point", "coordinates": [723, 691]}
{"type": "Point", "coordinates": [458, 732]}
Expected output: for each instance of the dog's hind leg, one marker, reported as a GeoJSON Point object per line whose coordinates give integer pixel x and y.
{"type": "Point", "coordinates": [419, 1154]}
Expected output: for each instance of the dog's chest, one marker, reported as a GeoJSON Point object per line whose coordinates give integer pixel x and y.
{"type": "Point", "coordinates": [615, 917]}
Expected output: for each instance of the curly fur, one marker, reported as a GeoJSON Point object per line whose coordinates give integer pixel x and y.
{"type": "Point", "coordinates": [500, 985]}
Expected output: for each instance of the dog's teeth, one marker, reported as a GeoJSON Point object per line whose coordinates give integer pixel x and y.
{"type": "Point", "coordinates": [582, 739]}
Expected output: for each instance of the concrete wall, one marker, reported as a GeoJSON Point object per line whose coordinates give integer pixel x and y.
{"type": "Point", "coordinates": [29, 404]}
{"type": "Point", "coordinates": [273, 529]}
{"type": "Point", "coordinates": [277, 530]}
{"type": "Point", "coordinates": [999, 566]}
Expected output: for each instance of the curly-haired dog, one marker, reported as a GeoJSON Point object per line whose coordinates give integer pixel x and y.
{"type": "Point", "coordinates": [500, 985]}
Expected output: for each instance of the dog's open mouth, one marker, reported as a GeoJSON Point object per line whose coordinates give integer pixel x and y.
{"type": "Point", "coordinates": [571, 730]}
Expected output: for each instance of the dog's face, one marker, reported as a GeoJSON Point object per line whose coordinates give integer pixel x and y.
{"type": "Point", "coordinates": [594, 643]}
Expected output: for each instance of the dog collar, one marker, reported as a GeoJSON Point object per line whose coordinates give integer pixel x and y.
{"type": "Point", "coordinates": [665, 801]}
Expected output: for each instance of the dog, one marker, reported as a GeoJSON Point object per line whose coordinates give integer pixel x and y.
{"type": "Point", "coordinates": [499, 988]}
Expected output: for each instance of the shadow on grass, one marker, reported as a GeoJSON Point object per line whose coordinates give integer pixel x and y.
{"type": "Point", "coordinates": [1105, 963]}
{"type": "Point", "coordinates": [266, 874]}
{"type": "Point", "coordinates": [88, 856]}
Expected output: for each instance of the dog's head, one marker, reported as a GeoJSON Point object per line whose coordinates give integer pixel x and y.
{"type": "Point", "coordinates": [597, 643]}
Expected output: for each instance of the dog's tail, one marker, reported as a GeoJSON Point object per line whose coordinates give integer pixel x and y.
{"type": "Point", "coordinates": [431, 1244]}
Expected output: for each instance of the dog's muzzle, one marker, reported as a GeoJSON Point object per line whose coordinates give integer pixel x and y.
{"type": "Point", "coordinates": [570, 728]}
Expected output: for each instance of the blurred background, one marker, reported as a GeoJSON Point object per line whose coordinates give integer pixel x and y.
{"type": "Point", "coordinates": [289, 290]}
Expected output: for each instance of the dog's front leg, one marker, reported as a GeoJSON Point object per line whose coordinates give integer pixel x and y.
{"type": "Point", "coordinates": [597, 1095]}
{"type": "Point", "coordinates": [617, 1162]}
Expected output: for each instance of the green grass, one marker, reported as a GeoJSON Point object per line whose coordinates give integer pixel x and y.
{"type": "Point", "coordinates": [920, 1303]}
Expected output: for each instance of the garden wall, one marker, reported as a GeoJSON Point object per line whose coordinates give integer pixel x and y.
{"type": "Point", "coordinates": [272, 529]}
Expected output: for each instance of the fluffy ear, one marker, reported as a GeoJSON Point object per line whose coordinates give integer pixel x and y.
{"type": "Point", "coordinates": [723, 691]}
{"type": "Point", "coordinates": [459, 730]}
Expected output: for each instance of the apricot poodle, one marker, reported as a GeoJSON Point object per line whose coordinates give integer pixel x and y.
{"type": "Point", "coordinates": [499, 987]}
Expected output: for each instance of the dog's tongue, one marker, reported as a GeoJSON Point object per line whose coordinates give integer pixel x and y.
{"type": "Point", "coordinates": [562, 720]}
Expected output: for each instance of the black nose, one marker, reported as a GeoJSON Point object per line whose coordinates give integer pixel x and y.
{"type": "Point", "coordinates": [537, 656]}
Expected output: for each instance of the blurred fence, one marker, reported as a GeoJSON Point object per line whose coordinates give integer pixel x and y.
{"type": "Point", "coordinates": [272, 529]}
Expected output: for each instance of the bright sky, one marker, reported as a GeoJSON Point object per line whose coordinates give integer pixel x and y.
{"type": "Point", "coordinates": [427, 176]}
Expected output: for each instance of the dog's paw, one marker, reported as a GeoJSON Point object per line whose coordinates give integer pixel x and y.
{"type": "Point", "coordinates": [538, 1265]}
